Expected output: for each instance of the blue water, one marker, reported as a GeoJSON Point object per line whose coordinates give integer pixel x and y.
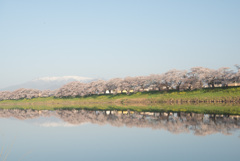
{"type": "Point", "coordinates": [51, 138]}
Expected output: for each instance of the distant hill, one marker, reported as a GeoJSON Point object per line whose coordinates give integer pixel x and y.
{"type": "Point", "coordinates": [50, 83]}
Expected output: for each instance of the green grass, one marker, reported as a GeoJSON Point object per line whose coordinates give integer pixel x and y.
{"type": "Point", "coordinates": [142, 101]}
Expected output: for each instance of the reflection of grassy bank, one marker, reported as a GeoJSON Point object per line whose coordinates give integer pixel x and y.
{"type": "Point", "coordinates": [233, 109]}
{"type": "Point", "coordinates": [203, 108]}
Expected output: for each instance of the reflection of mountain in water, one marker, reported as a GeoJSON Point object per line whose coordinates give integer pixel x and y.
{"type": "Point", "coordinates": [200, 124]}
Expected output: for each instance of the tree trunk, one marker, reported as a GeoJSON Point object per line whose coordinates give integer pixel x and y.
{"type": "Point", "coordinates": [201, 84]}
{"type": "Point", "coordinates": [213, 86]}
{"type": "Point", "coordinates": [178, 88]}
{"type": "Point", "coordinates": [190, 87]}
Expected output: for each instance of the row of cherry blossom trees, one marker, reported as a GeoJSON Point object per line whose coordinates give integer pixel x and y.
{"type": "Point", "coordinates": [195, 78]}
{"type": "Point", "coordinates": [25, 93]}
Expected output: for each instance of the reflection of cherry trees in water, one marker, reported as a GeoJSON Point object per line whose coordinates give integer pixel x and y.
{"type": "Point", "coordinates": [199, 124]}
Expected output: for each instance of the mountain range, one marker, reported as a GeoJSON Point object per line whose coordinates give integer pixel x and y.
{"type": "Point", "coordinates": [51, 83]}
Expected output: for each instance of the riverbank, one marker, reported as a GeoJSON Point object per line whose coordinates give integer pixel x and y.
{"type": "Point", "coordinates": [207, 95]}
{"type": "Point", "coordinates": [218, 100]}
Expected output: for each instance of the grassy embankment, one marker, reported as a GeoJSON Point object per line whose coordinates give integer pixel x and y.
{"type": "Point", "coordinates": [218, 100]}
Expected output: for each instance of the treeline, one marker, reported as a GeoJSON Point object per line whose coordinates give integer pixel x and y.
{"type": "Point", "coordinates": [195, 78]}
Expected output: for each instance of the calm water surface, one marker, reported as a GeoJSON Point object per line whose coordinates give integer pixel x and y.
{"type": "Point", "coordinates": [62, 135]}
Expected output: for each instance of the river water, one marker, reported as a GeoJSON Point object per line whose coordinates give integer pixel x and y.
{"type": "Point", "coordinates": [63, 135]}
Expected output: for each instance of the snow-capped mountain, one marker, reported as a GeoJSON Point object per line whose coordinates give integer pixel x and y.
{"type": "Point", "coordinates": [50, 83]}
{"type": "Point", "coordinates": [51, 121]}
{"type": "Point", "coordinates": [64, 78]}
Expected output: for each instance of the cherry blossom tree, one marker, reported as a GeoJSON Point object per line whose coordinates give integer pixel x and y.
{"type": "Point", "coordinates": [225, 75]}
{"type": "Point", "coordinates": [72, 89]}
{"type": "Point", "coordinates": [156, 81]}
{"type": "Point", "coordinates": [142, 82]}
{"type": "Point", "coordinates": [206, 76]}
{"type": "Point", "coordinates": [113, 85]}
{"type": "Point", "coordinates": [5, 95]}
{"type": "Point", "coordinates": [98, 87]}
{"type": "Point", "coordinates": [237, 74]}
{"type": "Point", "coordinates": [129, 83]}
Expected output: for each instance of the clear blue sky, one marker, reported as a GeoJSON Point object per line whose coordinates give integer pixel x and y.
{"type": "Point", "coordinates": [115, 38]}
